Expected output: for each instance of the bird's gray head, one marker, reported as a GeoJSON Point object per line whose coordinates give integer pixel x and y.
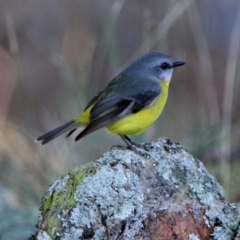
{"type": "Point", "coordinates": [157, 65]}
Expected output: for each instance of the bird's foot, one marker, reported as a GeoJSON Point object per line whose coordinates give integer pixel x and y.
{"type": "Point", "coordinates": [119, 146]}
{"type": "Point", "coordinates": [139, 149]}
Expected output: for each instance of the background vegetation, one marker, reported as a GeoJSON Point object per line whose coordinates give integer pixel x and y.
{"type": "Point", "coordinates": [55, 55]}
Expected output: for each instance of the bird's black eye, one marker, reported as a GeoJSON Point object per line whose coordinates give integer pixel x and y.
{"type": "Point", "coordinates": [165, 66]}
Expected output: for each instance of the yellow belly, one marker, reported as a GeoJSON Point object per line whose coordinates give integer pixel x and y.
{"type": "Point", "coordinates": [140, 121]}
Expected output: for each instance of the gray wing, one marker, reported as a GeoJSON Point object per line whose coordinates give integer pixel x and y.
{"type": "Point", "coordinates": [124, 99]}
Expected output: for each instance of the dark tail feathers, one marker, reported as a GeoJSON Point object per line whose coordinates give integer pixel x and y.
{"type": "Point", "coordinates": [69, 126]}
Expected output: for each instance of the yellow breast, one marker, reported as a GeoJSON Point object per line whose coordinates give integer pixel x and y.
{"type": "Point", "coordinates": [140, 121]}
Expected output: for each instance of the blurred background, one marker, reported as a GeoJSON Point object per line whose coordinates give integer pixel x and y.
{"type": "Point", "coordinates": [55, 55]}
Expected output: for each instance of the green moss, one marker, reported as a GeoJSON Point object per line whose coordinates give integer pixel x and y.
{"type": "Point", "coordinates": [60, 200]}
{"type": "Point", "coordinates": [52, 224]}
{"type": "Point", "coordinates": [78, 174]}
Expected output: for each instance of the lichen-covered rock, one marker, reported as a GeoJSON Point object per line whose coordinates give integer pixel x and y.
{"type": "Point", "coordinates": [157, 192]}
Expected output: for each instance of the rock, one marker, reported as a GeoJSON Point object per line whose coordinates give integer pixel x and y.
{"type": "Point", "coordinates": [158, 192]}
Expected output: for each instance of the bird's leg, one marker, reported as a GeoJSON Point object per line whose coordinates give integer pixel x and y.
{"type": "Point", "coordinates": [137, 148]}
{"type": "Point", "coordinates": [126, 139]}
{"type": "Point", "coordinates": [129, 142]}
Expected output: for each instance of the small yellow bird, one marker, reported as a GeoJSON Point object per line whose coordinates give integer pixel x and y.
{"type": "Point", "coordinates": [129, 104]}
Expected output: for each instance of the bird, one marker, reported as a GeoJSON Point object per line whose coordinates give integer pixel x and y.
{"type": "Point", "coordinates": [129, 104]}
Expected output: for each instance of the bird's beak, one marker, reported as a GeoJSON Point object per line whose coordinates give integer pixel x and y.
{"type": "Point", "coordinates": [177, 64]}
